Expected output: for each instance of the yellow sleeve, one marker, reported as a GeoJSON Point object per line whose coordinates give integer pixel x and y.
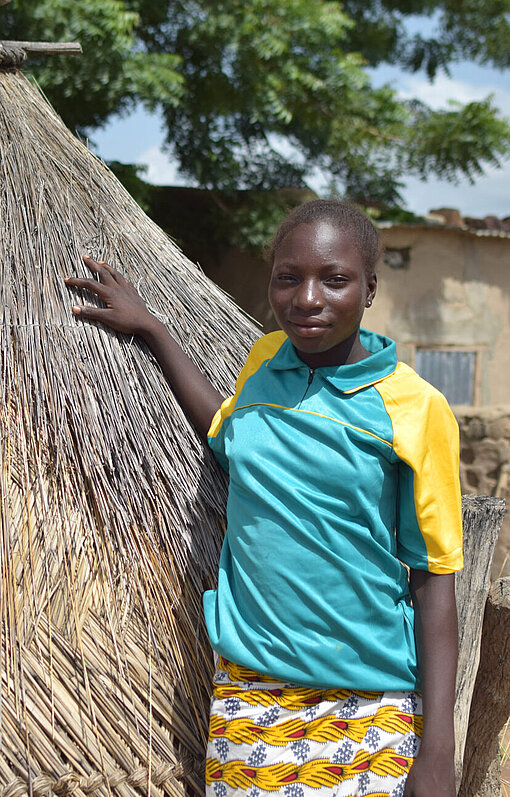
{"type": "Point", "coordinates": [426, 442]}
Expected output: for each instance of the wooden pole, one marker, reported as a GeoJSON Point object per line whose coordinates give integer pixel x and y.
{"type": "Point", "coordinates": [48, 48]}
{"type": "Point", "coordinates": [482, 517]}
{"type": "Point", "coordinates": [490, 706]}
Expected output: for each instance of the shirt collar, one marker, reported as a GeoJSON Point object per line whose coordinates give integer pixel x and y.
{"type": "Point", "coordinates": [347, 378]}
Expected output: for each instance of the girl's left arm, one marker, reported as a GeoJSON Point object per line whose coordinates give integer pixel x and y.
{"type": "Point", "coordinates": [433, 595]}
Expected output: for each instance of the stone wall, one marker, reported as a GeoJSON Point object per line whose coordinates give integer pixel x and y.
{"type": "Point", "coordinates": [485, 465]}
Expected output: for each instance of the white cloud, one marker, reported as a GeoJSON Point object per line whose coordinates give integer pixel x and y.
{"type": "Point", "coordinates": [161, 170]}
{"type": "Point", "coordinates": [443, 89]}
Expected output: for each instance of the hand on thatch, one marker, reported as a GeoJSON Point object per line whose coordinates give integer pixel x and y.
{"type": "Point", "coordinates": [125, 310]}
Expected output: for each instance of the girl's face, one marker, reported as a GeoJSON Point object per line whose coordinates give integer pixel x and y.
{"type": "Point", "coordinates": [319, 290]}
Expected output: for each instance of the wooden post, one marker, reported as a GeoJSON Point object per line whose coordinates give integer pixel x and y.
{"type": "Point", "coordinates": [482, 517]}
{"type": "Point", "coordinates": [48, 48]}
{"type": "Point", "coordinates": [490, 706]}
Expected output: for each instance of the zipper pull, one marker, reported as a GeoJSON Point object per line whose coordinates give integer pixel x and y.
{"type": "Point", "coordinates": [311, 372]}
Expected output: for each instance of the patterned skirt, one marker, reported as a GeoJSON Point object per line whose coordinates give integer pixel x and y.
{"type": "Point", "coordinates": [298, 741]}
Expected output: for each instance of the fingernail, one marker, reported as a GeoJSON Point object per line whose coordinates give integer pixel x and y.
{"type": "Point", "coordinates": [76, 310]}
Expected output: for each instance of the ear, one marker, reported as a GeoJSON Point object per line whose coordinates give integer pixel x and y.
{"type": "Point", "coordinates": [371, 289]}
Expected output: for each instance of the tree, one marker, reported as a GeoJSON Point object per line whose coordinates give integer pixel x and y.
{"type": "Point", "coordinates": [256, 93]}
{"type": "Point", "coordinates": [114, 72]}
{"type": "Point", "coordinates": [465, 29]}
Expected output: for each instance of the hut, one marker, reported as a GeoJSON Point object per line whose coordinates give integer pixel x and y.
{"type": "Point", "coordinates": [111, 508]}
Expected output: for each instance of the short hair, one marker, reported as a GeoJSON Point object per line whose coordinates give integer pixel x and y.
{"type": "Point", "coordinates": [345, 216]}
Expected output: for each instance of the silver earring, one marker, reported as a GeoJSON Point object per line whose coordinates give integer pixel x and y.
{"type": "Point", "coordinates": [369, 303]}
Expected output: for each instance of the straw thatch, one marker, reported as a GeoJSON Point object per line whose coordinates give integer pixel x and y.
{"type": "Point", "coordinates": [112, 511]}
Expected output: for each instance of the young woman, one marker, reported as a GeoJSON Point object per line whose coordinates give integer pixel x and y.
{"type": "Point", "coordinates": [343, 468]}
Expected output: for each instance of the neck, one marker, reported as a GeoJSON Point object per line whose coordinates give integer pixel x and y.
{"type": "Point", "coordinates": [347, 352]}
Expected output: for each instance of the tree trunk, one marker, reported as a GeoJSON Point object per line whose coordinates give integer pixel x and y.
{"type": "Point", "coordinates": [490, 706]}
{"type": "Point", "coordinates": [482, 517]}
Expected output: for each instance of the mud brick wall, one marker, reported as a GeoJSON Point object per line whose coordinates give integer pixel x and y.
{"type": "Point", "coordinates": [485, 465]}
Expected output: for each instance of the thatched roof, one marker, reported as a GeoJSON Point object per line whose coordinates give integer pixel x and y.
{"type": "Point", "coordinates": [112, 511]}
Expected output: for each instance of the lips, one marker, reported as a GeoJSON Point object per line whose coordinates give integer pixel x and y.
{"type": "Point", "coordinates": [308, 326]}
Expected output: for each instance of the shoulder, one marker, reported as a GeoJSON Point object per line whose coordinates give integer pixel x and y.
{"type": "Point", "coordinates": [417, 410]}
{"type": "Point", "coordinates": [410, 390]}
{"type": "Point", "coordinates": [266, 347]}
{"type": "Point", "coordinates": [262, 350]}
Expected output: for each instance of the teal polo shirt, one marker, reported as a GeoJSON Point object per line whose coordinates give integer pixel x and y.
{"type": "Point", "coordinates": [337, 477]}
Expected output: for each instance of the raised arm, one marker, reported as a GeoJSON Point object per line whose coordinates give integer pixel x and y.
{"type": "Point", "coordinates": [436, 627]}
{"type": "Point", "coordinates": [126, 312]}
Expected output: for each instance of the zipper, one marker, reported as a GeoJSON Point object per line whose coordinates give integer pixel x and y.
{"type": "Point", "coordinates": [311, 373]}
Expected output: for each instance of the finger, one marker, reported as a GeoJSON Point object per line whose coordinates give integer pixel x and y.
{"type": "Point", "coordinates": [109, 268]}
{"type": "Point", "coordinates": [100, 268]}
{"type": "Point", "coordinates": [92, 264]}
{"type": "Point", "coordinates": [117, 276]}
{"type": "Point", "coordinates": [91, 313]}
{"type": "Point", "coordinates": [104, 316]}
{"type": "Point", "coordinates": [87, 284]}
{"type": "Point", "coordinates": [83, 282]}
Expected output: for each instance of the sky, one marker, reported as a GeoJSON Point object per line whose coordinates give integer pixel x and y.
{"type": "Point", "coordinates": [138, 138]}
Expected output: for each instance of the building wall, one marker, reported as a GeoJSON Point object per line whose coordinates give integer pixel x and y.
{"type": "Point", "coordinates": [454, 292]}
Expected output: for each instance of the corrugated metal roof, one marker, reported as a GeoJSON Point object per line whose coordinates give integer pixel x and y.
{"type": "Point", "coordinates": [388, 225]}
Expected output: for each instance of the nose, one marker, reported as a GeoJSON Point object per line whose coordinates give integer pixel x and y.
{"type": "Point", "coordinates": [308, 296]}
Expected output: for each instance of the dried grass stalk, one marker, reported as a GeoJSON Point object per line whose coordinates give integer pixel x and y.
{"type": "Point", "coordinates": [111, 509]}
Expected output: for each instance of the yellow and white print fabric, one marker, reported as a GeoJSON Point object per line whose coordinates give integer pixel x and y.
{"type": "Point", "coordinates": [267, 737]}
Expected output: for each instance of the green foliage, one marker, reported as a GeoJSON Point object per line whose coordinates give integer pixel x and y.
{"type": "Point", "coordinates": [111, 75]}
{"type": "Point", "coordinates": [460, 140]}
{"type": "Point", "coordinates": [256, 71]}
{"type": "Point", "coordinates": [257, 93]}
{"type": "Point", "coordinates": [463, 29]}
{"type": "Point", "coordinates": [394, 214]}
